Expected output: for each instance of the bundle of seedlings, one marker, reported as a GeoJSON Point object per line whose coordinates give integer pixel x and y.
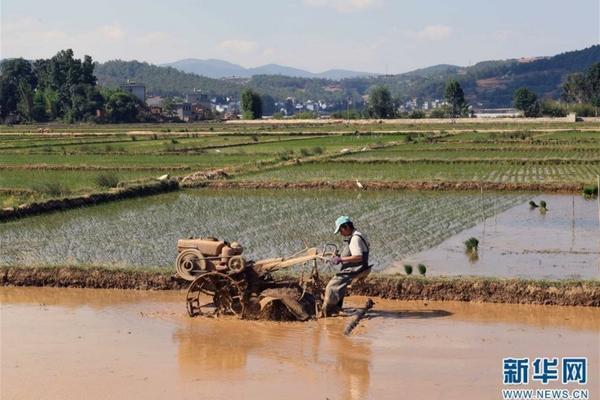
{"type": "Point", "coordinates": [590, 191]}
{"type": "Point", "coordinates": [472, 249]}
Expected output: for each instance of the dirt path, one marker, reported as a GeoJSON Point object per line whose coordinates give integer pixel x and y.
{"type": "Point", "coordinates": [461, 127]}
{"type": "Point", "coordinates": [98, 344]}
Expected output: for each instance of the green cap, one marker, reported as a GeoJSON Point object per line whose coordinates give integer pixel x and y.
{"type": "Point", "coordinates": [341, 221]}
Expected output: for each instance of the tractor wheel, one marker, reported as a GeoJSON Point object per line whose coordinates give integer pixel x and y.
{"type": "Point", "coordinates": [214, 294]}
{"type": "Point", "coordinates": [236, 264]}
{"type": "Point", "coordinates": [189, 264]}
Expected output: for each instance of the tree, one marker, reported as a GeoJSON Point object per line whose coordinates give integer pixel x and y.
{"type": "Point", "coordinates": [251, 104]}
{"type": "Point", "coordinates": [25, 100]}
{"type": "Point", "coordinates": [17, 83]}
{"type": "Point", "coordinates": [381, 104]}
{"type": "Point", "coordinates": [122, 107]}
{"type": "Point", "coordinates": [593, 78]}
{"type": "Point", "coordinates": [455, 97]}
{"type": "Point", "coordinates": [268, 105]}
{"type": "Point", "coordinates": [87, 71]}
{"type": "Point", "coordinates": [58, 88]}
{"type": "Point", "coordinates": [526, 101]}
{"type": "Point", "coordinates": [85, 100]}
{"type": "Point", "coordinates": [39, 106]}
{"type": "Point", "coordinates": [575, 89]}
{"type": "Point", "coordinates": [169, 106]}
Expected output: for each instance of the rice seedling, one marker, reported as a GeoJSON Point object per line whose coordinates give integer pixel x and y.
{"type": "Point", "coordinates": [408, 269]}
{"type": "Point", "coordinates": [141, 232]}
{"type": "Point", "coordinates": [471, 244]}
{"type": "Point", "coordinates": [422, 269]}
{"type": "Point", "coordinates": [532, 204]}
{"type": "Point", "coordinates": [590, 191]}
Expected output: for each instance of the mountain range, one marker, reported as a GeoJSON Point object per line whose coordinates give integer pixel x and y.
{"type": "Point", "coordinates": [486, 84]}
{"type": "Point", "coordinates": [213, 68]}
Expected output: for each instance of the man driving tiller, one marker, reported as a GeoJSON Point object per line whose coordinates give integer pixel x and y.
{"type": "Point", "coordinates": [354, 260]}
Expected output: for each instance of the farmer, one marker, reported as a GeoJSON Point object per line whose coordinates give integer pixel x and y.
{"type": "Point", "coordinates": [355, 264]}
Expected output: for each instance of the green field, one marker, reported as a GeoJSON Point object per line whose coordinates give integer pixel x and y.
{"type": "Point", "coordinates": [33, 165]}
{"type": "Point", "coordinates": [143, 232]}
{"type": "Point", "coordinates": [501, 172]}
{"type": "Point", "coordinates": [160, 161]}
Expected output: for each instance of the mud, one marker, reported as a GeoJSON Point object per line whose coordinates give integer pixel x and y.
{"type": "Point", "coordinates": [395, 185]}
{"type": "Point", "coordinates": [397, 287]}
{"type": "Point", "coordinates": [98, 344]}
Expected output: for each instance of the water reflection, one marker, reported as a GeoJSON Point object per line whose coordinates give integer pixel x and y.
{"type": "Point", "coordinates": [234, 350]}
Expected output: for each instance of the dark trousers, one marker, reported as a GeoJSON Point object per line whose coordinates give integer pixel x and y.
{"type": "Point", "coordinates": [336, 289]}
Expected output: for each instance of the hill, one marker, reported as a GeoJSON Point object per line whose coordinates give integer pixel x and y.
{"type": "Point", "coordinates": [486, 84]}
{"type": "Point", "coordinates": [166, 81]}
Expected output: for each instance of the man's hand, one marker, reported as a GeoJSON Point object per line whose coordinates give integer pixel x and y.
{"type": "Point", "coordinates": [335, 260]}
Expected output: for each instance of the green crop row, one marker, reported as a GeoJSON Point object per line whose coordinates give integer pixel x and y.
{"type": "Point", "coordinates": [427, 171]}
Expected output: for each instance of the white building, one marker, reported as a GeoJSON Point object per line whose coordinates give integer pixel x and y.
{"type": "Point", "coordinates": [136, 89]}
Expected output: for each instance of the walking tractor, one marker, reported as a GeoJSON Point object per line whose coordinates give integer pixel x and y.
{"type": "Point", "coordinates": [223, 282]}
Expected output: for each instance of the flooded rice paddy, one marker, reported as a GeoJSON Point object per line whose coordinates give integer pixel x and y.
{"type": "Point", "coordinates": [524, 242]}
{"type": "Point", "coordinates": [144, 232]}
{"type": "Point", "coordinates": [96, 344]}
{"type": "Point", "coordinates": [403, 227]}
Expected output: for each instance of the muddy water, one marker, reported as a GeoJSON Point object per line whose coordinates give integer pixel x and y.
{"type": "Point", "coordinates": [96, 344]}
{"type": "Point", "coordinates": [522, 242]}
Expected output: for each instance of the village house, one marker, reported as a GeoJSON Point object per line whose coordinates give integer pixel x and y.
{"type": "Point", "coordinates": [183, 111]}
{"type": "Point", "coordinates": [136, 89]}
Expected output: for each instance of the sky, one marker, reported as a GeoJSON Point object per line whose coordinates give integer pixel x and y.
{"type": "Point", "coordinates": [382, 36]}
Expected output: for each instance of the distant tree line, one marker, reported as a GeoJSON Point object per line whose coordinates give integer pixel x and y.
{"type": "Point", "coordinates": [382, 105]}
{"type": "Point", "coordinates": [580, 94]}
{"type": "Point", "coordinates": [62, 88]}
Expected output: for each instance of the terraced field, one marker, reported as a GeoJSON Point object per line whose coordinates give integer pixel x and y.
{"type": "Point", "coordinates": [501, 157]}
{"type": "Point", "coordinates": [69, 160]}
